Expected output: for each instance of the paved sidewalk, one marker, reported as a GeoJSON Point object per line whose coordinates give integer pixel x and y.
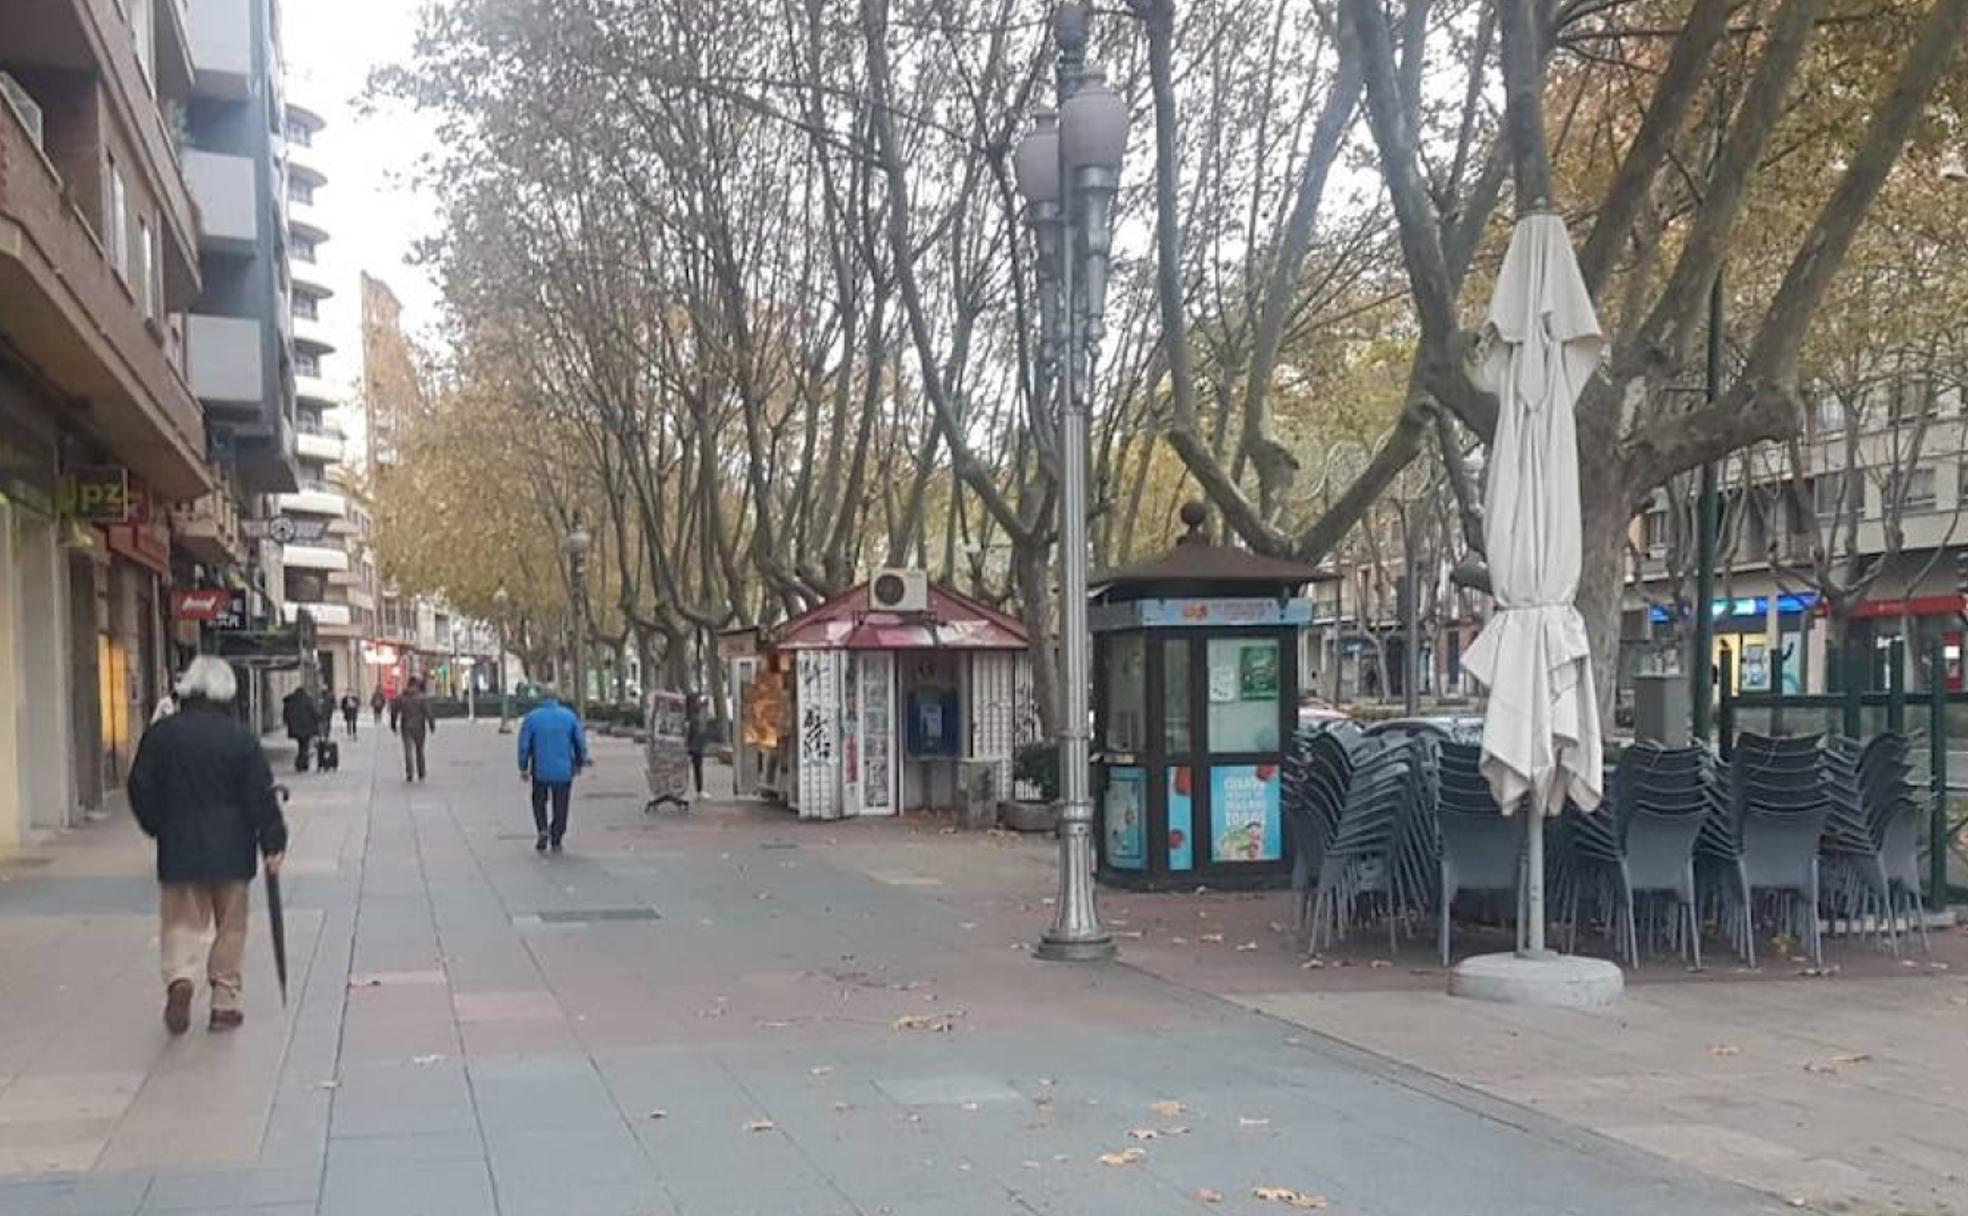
{"type": "Point", "coordinates": [730, 1014]}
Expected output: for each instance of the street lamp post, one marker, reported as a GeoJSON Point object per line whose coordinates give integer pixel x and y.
{"type": "Point", "coordinates": [1069, 168]}
{"type": "Point", "coordinates": [578, 541]}
{"type": "Point", "coordinates": [502, 600]}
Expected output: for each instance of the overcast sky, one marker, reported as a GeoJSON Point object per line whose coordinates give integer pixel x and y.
{"type": "Point", "coordinates": [376, 213]}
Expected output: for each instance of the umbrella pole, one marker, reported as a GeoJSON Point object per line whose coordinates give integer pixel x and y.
{"type": "Point", "coordinates": [1533, 934]}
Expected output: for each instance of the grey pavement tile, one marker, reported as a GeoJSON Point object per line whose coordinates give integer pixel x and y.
{"type": "Point", "coordinates": [402, 1099]}
{"type": "Point", "coordinates": [422, 1188]}
{"type": "Point", "coordinates": [117, 1194]}
{"type": "Point", "coordinates": [355, 1151]}
{"type": "Point", "coordinates": [203, 1190]}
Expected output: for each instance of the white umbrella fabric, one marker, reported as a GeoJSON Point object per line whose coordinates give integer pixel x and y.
{"type": "Point", "coordinates": [1541, 726]}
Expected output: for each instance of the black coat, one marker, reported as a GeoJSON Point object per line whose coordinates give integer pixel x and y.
{"type": "Point", "coordinates": [201, 786]}
{"type": "Point", "coordinates": [301, 714]}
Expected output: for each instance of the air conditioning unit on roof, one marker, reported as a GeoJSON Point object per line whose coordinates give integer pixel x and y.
{"type": "Point", "coordinates": [899, 591]}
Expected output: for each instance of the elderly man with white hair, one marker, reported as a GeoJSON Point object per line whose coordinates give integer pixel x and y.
{"type": "Point", "coordinates": [201, 787]}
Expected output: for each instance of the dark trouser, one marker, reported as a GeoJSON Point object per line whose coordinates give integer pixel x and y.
{"type": "Point", "coordinates": [303, 748]}
{"type": "Point", "coordinates": [559, 791]}
{"type": "Point", "coordinates": [413, 756]}
{"type": "Point", "coordinates": [378, 711]}
{"type": "Point", "coordinates": [349, 718]}
{"type": "Point", "coordinates": [697, 770]}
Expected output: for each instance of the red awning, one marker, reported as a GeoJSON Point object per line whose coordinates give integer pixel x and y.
{"type": "Point", "coordinates": [953, 622]}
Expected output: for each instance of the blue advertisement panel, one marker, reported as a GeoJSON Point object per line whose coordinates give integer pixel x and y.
{"type": "Point", "coordinates": [1181, 820]}
{"type": "Point", "coordinates": [1124, 818]}
{"type": "Point", "coordinates": [1246, 813]}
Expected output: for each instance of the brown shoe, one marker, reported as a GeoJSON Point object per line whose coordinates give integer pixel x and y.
{"type": "Point", "coordinates": [226, 1019]}
{"type": "Point", "coordinates": [177, 1007]}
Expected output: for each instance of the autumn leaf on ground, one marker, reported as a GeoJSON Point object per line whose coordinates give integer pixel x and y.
{"type": "Point", "coordinates": [1212, 938]}
{"type": "Point", "coordinates": [1724, 1049]}
{"type": "Point", "coordinates": [1206, 1195]}
{"type": "Point", "coordinates": [1289, 1197]}
{"type": "Point", "coordinates": [1168, 1108]}
{"type": "Point", "coordinates": [1143, 1133]}
{"type": "Point", "coordinates": [1247, 947]}
{"type": "Point", "coordinates": [1127, 1156]}
{"type": "Point", "coordinates": [761, 1125]}
{"type": "Point", "coordinates": [1248, 1121]}
{"type": "Point", "coordinates": [933, 1023]}
{"type": "Point", "coordinates": [657, 1114]}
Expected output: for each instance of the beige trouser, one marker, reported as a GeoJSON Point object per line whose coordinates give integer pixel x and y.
{"type": "Point", "coordinates": [191, 912]}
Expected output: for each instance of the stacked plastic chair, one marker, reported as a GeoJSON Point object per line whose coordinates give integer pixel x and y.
{"type": "Point", "coordinates": [1481, 849]}
{"type": "Point", "coordinates": [1382, 849]}
{"type": "Point", "coordinates": [1765, 822]}
{"type": "Point", "coordinates": [1641, 842]}
{"type": "Point", "coordinates": [1316, 773]}
{"type": "Point", "coordinates": [1871, 845]}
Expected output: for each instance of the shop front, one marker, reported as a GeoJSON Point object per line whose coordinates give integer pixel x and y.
{"type": "Point", "coordinates": [892, 709]}
{"type": "Point", "coordinates": [1196, 695]}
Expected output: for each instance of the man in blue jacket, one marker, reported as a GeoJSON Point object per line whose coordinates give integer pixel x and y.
{"type": "Point", "coordinates": [552, 750]}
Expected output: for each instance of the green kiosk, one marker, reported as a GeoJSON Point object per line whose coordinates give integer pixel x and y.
{"type": "Point", "coordinates": [1195, 668]}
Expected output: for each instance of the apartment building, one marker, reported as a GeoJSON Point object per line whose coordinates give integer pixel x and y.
{"type": "Point", "coordinates": [1879, 485]}
{"type": "Point", "coordinates": [99, 429]}
{"type": "Point", "coordinates": [330, 574]}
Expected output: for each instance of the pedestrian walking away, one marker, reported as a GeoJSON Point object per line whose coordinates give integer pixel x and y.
{"type": "Point", "coordinates": [696, 738]}
{"type": "Point", "coordinates": [202, 789]}
{"type": "Point", "coordinates": [411, 719]}
{"type": "Point", "coordinates": [351, 710]}
{"type": "Point", "coordinates": [302, 716]}
{"type": "Point", "coordinates": [553, 749]}
{"type": "Point", "coordinates": [377, 703]}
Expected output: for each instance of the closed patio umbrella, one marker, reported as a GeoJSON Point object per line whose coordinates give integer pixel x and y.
{"type": "Point", "coordinates": [1541, 726]}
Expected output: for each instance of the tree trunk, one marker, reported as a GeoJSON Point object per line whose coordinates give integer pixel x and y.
{"type": "Point", "coordinates": [1604, 514]}
{"type": "Point", "coordinates": [1031, 575]}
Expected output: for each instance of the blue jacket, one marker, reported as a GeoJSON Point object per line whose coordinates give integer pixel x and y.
{"type": "Point", "coordinates": [552, 746]}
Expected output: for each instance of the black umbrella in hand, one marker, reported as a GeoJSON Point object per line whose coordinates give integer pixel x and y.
{"type": "Point", "coordinates": [277, 919]}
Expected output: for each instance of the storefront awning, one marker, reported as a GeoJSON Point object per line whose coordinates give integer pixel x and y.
{"type": "Point", "coordinates": [952, 622]}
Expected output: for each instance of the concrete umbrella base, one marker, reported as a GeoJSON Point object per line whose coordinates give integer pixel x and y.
{"type": "Point", "coordinates": [1562, 981]}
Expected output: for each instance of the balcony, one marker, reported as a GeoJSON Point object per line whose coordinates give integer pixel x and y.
{"type": "Point", "coordinates": [316, 499]}
{"type": "Point", "coordinates": [313, 557]}
{"type": "Point", "coordinates": [319, 447]}
{"type": "Point", "coordinates": [227, 367]}
{"type": "Point", "coordinates": [222, 49]}
{"type": "Point", "coordinates": [71, 316]}
{"type": "Point", "coordinates": [317, 388]}
{"type": "Point", "coordinates": [208, 529]}
{"type": "Point", "coordinates": [312, 334]}
{"type": "Point", "coordinates": [266, 461]}
{"type": "Point", "coordinates": [326, 616]}
{"type": "Point", "coordinates": [228, 194]}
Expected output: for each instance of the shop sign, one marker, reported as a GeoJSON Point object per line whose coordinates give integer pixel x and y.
{"type": "Point", "coordinates": [378, 655]}
{"type": "Point", "coordinates": [219, 607]}
{"type": "Point", "coordinates": [285, 530]}
{"type": "Point", "coordinates": [1206, 613]}
{"type": "Point", "coordinates": [97, 493]}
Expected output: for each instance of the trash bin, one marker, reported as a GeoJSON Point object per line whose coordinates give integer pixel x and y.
{"type": "Point", "coordinates": [977, 799]}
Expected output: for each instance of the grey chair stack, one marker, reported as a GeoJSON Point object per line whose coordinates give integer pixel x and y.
{"type": "Point", "coordinates": [1762, 836]}
{"type": "Point", "coordinates": [1381, 851]}
{"type": "Point", "coordinates": [1316, 773]}
{"type": "Point", "coordinates": [1871, 845]}
{"type": "Point", "coordinates": [1481, 848]}
{"type": "Point", "coordinates": [1642, 842]}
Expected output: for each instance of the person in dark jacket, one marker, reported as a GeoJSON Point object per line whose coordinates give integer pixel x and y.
{"type": "Point", "coordinates": [351, 710]}
{"type": "Point", "coordinates": [696, 738]}
{"type": "Point", "coordinates": [411, 719]}
{"type": "Point", "coordinates": [552, 752]}
{"type": "Point", "coordinates": [302, 716]}
{"type": "Point", "coordinates": [377, 703]}
{"type": "Point", "coordinates": [201, 787]}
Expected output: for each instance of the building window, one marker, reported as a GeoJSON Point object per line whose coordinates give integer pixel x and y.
{"type": "Point", "coordinates": [306, 307]}
{"type": "Point", "coordinates": [1654, 529]}
{"type": "Point", "coordinates": [1919, 491]}
{"type": "Point", "coordinates": [304, 249]}
{"type": "Point", "coordinates": [300, 134]}
{"type": "Point", "coordinates": [1830, 413]}
{"type": "Point", "coordinates": [143, 34]}
{"type": "Point", "coordinates": [117, 224]}
{"type": "Point", "coordinates": [146, 267]}
{"type": "Point", "coordinates": [307, 363]}
{"type": "Point", "coordinates": [1839, 493]}
{"type": "Point", "coordinates": [300, 190]}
